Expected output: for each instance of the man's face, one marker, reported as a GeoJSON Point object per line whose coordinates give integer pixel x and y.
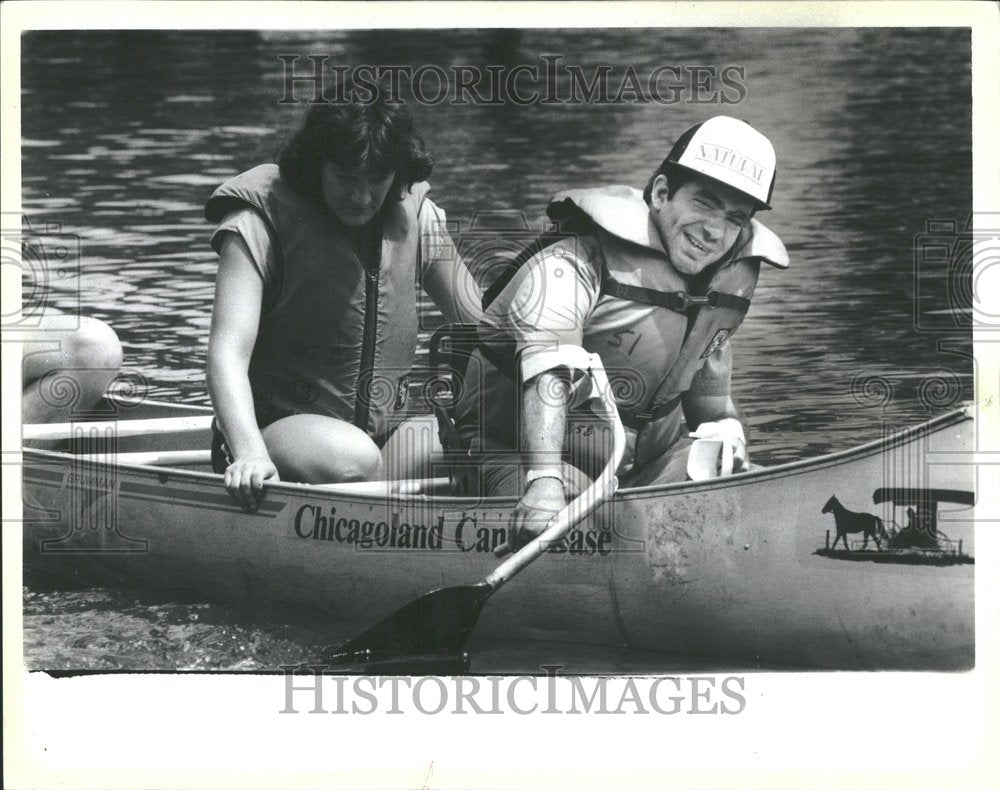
{"type": "Point", "coordinates": [354, 197]}
{"type": "Point", "coordinates": [700, 224]}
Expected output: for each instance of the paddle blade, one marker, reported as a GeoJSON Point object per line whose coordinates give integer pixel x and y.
{"type": "Point", "coordinates": [439, 622]}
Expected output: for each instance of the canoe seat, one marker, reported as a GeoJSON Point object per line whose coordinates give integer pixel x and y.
{"type": "Point", "coordinates": [451, 346]}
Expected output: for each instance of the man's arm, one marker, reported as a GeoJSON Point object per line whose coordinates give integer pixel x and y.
{"type": "Point", "coordinates": [544, 311]}
{"type": "Point", "coordinates": [700, 409]}
{"type": "Point", "coordinates": [543, 428]}
{"type": "Point", "coordinates": [444, 275]}
{"type": "Point", "coordinates": [709, 409]}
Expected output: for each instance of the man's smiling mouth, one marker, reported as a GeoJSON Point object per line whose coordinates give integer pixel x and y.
{"type": "Point", "coordinates": [695, 244]}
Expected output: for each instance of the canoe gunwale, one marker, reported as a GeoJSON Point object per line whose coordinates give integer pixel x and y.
{"type": "Point", "coordinates": [790, 468]}
{"type": "Point", "coordinates": [701, 555]}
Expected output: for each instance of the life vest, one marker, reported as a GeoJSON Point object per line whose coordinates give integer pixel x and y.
{"type": "Point", "coordinates": [653, 328]}
{"type": "Point", "coordinates": [337, 340]}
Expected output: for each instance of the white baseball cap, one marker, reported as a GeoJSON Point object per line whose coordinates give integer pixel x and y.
{"type": "Point", "coordinates": [730, 151]}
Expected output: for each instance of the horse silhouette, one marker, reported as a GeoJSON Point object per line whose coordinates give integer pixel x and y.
{"type": "Point", "coordinates": [849, 522]}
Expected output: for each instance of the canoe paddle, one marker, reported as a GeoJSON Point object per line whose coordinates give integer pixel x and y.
{"type": "Point", "coordinates": [121, 428]}
{"type": "Point", "coordinates": [443, 620]}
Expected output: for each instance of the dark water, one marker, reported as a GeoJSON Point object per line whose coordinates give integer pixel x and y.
{"type": "Point", "coordinates": [125, 135]}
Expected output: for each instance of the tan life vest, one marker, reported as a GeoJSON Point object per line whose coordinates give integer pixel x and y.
{"type": "Point", "coordinates": [653, 327]}
{"type": "Point", "coordinates": [337, 340]}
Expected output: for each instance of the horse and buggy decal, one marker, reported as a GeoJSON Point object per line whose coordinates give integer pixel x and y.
{"type": "Point", "coordinates": [918, 542]}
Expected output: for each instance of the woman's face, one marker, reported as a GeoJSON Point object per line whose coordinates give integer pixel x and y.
{"type": "Point", "coordinates": [354, 197]}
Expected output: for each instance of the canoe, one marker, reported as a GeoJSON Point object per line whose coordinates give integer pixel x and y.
{"type": "Point", "coordinates": [743, 570]}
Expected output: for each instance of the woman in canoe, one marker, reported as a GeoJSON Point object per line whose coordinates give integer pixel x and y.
{"type": "Point", "coordinates": [315, 321]}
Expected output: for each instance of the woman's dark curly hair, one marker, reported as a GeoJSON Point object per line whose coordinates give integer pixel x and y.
{"type": "Point", "coordinates": [375, 135]}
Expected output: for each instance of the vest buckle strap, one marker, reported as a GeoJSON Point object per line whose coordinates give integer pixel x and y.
{"type": "Point", "coordinates": [688, 301]}
{"type": "Point", "coordinates": [678, 301]}
{"type": "Point", "coordinates": [727, 301]}
{"type": "Point", "coordinates": [637, 420]}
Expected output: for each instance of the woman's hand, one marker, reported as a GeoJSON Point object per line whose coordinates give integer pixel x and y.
{"type": "Point", "coordinates": [244, 480]}
{"type": "Point", "coordinates": [544, 498]}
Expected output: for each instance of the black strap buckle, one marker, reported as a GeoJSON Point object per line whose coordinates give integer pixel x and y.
{"type": "Point", "coordinates": [687, 300]}
{"type": "Point", "coordinates": [654, 412]}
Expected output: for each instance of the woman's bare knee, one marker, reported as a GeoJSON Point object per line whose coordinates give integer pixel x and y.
{"type": "Point", "coordinates": [360, 464]}
{"type": "Point", "coordinates": [71, 372]}
{"type": "Point", "coordinates": [308, 448]}
{"type": "Point", "coordinates": [94, 345]}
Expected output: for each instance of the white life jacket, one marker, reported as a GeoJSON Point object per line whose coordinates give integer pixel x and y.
{"type": "Point", "coordinates": [653, 328]}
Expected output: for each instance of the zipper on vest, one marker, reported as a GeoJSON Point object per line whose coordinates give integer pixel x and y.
{"type": "Point", "coordinates": [362, 399]}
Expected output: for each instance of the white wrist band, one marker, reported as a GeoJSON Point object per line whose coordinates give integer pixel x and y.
{"type": "Point", "coordinates": [534, 474]}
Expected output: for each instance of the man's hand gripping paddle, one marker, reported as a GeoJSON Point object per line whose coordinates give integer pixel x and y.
{"type": "Point", "coordinates": [443, 620]}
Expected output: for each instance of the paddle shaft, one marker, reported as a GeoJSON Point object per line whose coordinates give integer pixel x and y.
{"type": "Point", "coordinates": [443, 619]}
{"type": "Point", "coordinates": [560, 524]}
{"type": "Point", "coordinates": [120, 428]}
{"type": "Point", "coordinates": [154, 458]}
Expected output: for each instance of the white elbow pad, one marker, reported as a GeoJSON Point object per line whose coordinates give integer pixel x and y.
{"type": "Point", "coordinates": [536, 362]}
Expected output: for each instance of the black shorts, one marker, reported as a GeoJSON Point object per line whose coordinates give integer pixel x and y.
{"type": "Point", "coordinates": [264, 414]}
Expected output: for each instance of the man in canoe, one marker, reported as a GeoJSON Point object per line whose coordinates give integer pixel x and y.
{"type": "Point", "coordinates": [656, 283]}
{"type": "Point", "coordinates": [314, 327]}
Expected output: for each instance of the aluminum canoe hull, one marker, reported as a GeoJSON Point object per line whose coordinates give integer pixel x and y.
{"type": "Point", "coordinates": [732, 570]}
